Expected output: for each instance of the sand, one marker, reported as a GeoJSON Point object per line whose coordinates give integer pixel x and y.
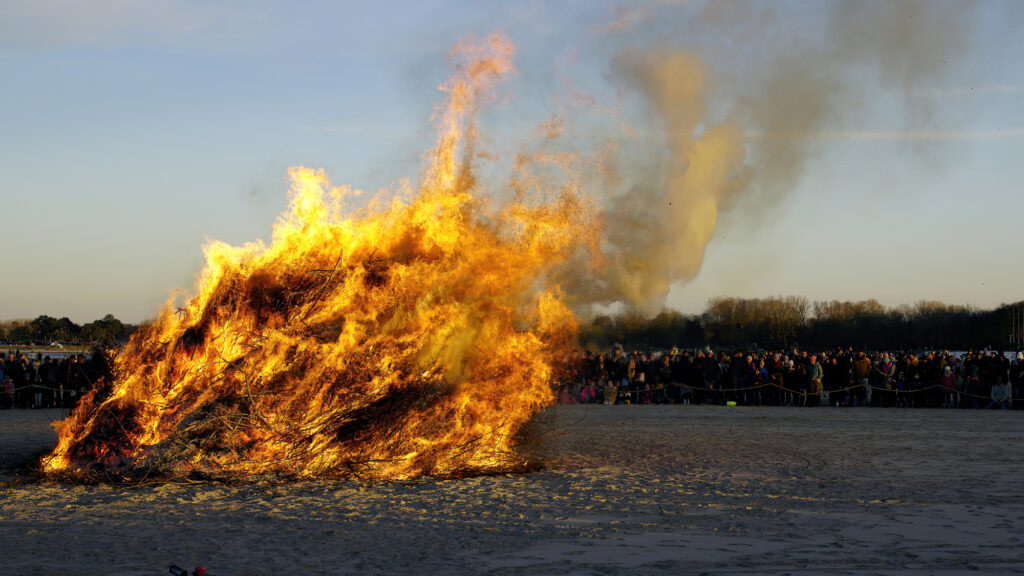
{"type": "Point", "coordinates": [629, 490]}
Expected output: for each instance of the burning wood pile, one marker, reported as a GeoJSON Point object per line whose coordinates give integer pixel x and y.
{"type": "Point", "coordinates": [415, 337]}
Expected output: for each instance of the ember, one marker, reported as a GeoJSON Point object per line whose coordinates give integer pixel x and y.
{"type": "Point", "coordinates": [409, 339]}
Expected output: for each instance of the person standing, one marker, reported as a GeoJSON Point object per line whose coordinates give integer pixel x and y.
{"type": "Point", "coordinates": [1000, 394]}
{"type": "Point", "coordinates": [885, 377]}
{"type": "Point", "coordinates": [1017, 381]}
{"type": "Point", "coordinates": [611, 392]}
{"type": "Point", "coordinates": [711, 370]}
{"type": "Point", "coordinates": [947, 387]}
{"type": "Point", "coordinates": [36, 373]}
{"type": "Point", "coordinates": [52, 389]}
{"type": "Point", "coordinates": [862, 376]}
{"type": "Point", "coordinates": [815, 374]}
{"type": "Point", "coordinates": [15, 369]}
{"type": "Point", "coordinates": [6, 385]}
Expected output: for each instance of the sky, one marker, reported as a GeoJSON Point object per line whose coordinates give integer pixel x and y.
{"type": "Point", "coordinates": [884, 152]}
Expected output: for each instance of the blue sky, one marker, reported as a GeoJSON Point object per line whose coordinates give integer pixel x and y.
{"type": "Point", "coordinates": [133, 131]}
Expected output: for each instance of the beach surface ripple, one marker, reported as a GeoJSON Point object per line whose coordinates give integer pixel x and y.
{"type": "Point", "coordinates": [627, 490]}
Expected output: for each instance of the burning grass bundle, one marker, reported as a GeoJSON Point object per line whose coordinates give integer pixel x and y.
{"type": "Point", "coordinates": [412, 339]}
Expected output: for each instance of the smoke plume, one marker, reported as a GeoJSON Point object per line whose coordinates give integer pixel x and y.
{"type": "Point", "coordinates": [739, 139]}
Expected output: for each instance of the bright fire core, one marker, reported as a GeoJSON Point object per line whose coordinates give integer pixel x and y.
{"type": "Point", "coordinates": [414, 337]}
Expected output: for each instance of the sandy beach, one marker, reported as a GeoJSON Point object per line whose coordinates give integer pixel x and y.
{"type": "Point", "coordinates": [628, 490]}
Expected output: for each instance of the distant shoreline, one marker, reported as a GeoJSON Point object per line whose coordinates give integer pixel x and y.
{"type": "Point", "coordinates": [51, 351]}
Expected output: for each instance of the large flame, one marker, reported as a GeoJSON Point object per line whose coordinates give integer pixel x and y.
{"type": "Point", "coordinates": [412, 338]}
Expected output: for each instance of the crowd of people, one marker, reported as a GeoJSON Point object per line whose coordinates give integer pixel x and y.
{"type": "Point", "coordinates": [795, 377]}
{"type": "Point", "coordinates": [42, 381]}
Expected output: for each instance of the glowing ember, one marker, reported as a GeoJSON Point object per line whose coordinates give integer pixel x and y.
{"type": "Point", "coordinates": [415, 338]}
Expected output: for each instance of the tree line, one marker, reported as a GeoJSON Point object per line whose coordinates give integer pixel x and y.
{"type": "Point", "coordinates": [726, 322]}
{"type": "Point", "coordinates": [46, 329]}
{"type": "Point", "coordinates": [792, 320]}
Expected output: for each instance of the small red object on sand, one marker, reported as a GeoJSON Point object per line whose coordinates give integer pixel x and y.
{"type": "Point", "coordinates": [199, 571]}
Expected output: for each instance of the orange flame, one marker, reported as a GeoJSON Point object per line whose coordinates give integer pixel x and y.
{"type": "Point", "coordinates": [415, 338]}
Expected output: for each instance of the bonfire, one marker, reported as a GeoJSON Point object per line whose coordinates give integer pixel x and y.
{"type": "Point", "coordinates": [413, 336]}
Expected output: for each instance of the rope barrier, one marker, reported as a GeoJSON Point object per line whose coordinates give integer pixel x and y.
{"type": "Point", "coordinates": [803, 393]}
{"type": "Point", "coordinates": [15, 389]}
{"type": "Point", "coordinates": [684, 387]}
